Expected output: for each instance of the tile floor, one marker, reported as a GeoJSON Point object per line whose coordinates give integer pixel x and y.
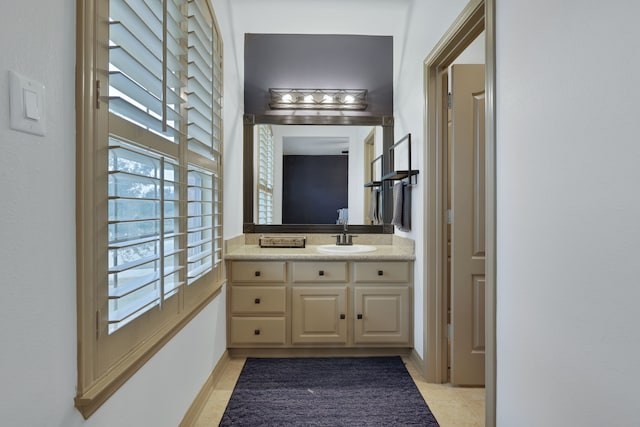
{"type": "Point", "coordinates": [452, 406]}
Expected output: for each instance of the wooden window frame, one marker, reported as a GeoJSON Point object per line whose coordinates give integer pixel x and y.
{"type": "Point", "coordinates": [105, 364]}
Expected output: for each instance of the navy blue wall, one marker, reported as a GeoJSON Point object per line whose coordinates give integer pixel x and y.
{"type": "Point", "coordinates": [314, 188]}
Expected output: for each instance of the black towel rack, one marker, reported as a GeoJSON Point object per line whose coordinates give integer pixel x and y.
{"type": "Point", "coordinates": [374, 183]}
{"type": "Point", "coordinates": [398, 175]}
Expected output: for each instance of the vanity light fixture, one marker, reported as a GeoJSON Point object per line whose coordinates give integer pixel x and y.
{"type": "Point", "coordinates": [318, 99]}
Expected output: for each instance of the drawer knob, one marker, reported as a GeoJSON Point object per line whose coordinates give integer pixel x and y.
{"type": "Point", "coordinates": [257, 301]}
{"type": "Point", "coordinates": [257, 274]}
{"type": "Point", "coordinates": [321, 273]}
{"type": "Point", "coordinates": [342, 316]}
{"type": "Point", "coordinates": [359, 316]}
{"type": "Point", "coordinates": [256, 332]}
{"type": "Point", "coordinates": [380, 272]}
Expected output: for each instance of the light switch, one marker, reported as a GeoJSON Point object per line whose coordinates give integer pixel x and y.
{"type": "Point", "coordinates": [31, 109]}
{"type": "Point", "coordinates": [26, 99]}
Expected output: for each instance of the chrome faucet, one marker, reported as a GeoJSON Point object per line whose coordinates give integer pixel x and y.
{"type": "Point", "coordinates": [344, 239]}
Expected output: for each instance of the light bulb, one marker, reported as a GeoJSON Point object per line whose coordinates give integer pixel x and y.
{"type": "Point", "coordinates": [287, 97]}
{"type": "Point", "coordinates": [349, 99]}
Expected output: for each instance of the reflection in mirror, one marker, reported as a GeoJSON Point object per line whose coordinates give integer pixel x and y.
{"type": "Point", "coordinates": [315, 174]}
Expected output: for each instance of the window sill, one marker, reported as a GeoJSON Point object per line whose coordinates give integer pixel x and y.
{"type": "Point", "coordinates": [104, 387]}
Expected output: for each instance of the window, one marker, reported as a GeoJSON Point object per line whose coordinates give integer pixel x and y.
{"type": "Point", "coordinates": [265, 175]}
{"type": "Point", "coordinates": [149, 105]}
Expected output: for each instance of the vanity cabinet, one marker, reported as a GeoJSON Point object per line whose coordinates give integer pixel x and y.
{"type": "Point", "coordinates": [289, 304]}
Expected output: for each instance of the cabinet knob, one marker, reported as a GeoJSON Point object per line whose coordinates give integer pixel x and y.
{"type": "Point", "coordinates": [257, 274]}
{"type": "Point", "coordinates": [380, 272]}
{"type": "Point", "coordinates": [359, 316]}
{"type": "Point", "coordinates": [342, 316]}
{"type": "Point", "coordinates": [321, 273]}
{"type": "Point", "coordinates": [257, 301]}
{"type": "Point", "coordinates": [256, 332]}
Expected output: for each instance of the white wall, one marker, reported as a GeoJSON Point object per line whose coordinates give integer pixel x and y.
{"type": "Point", "coordinates": [233, 109]}
{"type": "Point", "coordinates": [568, 213]}
{"type": "Point", "coordinates": [428, 20]}
{"type": "Point", "coordinates": [37, 253]}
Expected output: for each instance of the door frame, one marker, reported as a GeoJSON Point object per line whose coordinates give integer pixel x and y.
{"type": "Point", "coordinates": [369, 153]}
{"type": "Point", "coordinates": [477, 16]}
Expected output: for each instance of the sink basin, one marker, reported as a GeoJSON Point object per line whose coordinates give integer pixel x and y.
{"type": "Point", "coordinates": [347, 249]}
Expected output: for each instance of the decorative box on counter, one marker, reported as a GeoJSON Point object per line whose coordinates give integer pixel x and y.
{"type": "Point", "coordinates": [282, 241]}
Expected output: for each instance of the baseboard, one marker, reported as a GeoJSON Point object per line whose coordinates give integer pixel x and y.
{"type": "Point", "coordinates": [201, 399]}
{"type": "Point", "coordinates": [317, 352]}
{"type": "Point", "coordinates": [417, 361]}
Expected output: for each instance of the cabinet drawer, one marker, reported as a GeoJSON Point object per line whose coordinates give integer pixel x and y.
{"type": "Point", "coordinates": [257, 271]}
{"type": "Point", "coordinates": [257, 330]}
{"type": "Point", "coordinates": [319, 271]}
{"type": "Point", "coordinates": [391, 271]}
{"type": "Point", "coordinates": [258, 299]}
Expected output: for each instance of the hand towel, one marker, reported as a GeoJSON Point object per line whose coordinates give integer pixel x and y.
{"type": "Point", "coordinates": [401, 206]}
{"type": "Point", "coordinates": [374, 207]}
{"type": "Point", "coordinates": [397, 204]}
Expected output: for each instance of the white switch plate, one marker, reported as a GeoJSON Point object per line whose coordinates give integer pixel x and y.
{"type": "Point", "coordinates": [26, 98]}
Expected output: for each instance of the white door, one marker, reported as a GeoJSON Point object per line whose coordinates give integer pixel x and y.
{"type": "Point", "coordinates": [467, 164]}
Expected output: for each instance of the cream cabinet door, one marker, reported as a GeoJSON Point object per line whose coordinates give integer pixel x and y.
{"type": "Point", "coordinates": [319, 314]}
{"type": "Point", "coordinates": [382, 314]}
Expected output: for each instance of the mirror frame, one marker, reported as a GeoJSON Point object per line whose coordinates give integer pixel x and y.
{"type": "Point", "coordinates": [250, 120]}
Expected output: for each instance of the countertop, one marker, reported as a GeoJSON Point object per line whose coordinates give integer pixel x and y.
{"type": "Point", "coordinates": [311, 253]}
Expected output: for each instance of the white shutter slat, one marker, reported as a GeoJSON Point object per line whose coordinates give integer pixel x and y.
{"type": "Point", "coordinates": [196, 103]}
{"type": "Point", "coordinates": [122, 61]}
{"type": "Point", "coordinates": [144, 74]}
{"type": "Point", "coordinates": [199, 60]}
{"type": "Point", "coordinates": [195, 43]}
{"type": "Point", "coordinates": [196, 13]}
{"type": "Point", "coordinates": [199, 242]}
{"type": "Point", "coordinates": [175, 20]}
{"type": "Point", "coordinates": [204, 123]}
{"type": "Point", "coordinates": [199, 222]}
{"type": "Point", "coordinates": [201, 135]}
{"type": "Point", "coordinates": [150, 47]}
{"type": "Point", "coordinates": [128, 111]}
{"type": "Point", "coordinates": [122, 311]}
{"type": "Point", "coordinates": [131, 284]}
{"type": "Point", "coordinates": [195, 72]}
{"type": "Point", "coordinates": [141, 97]}
{"type": "Point", "coordinates": [136, 15]}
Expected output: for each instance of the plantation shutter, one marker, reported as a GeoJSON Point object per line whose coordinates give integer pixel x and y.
{"type": "Point", "coordinates": [164, 152]}
{"type": "Point", "coordinates": [204, 132]}
{"type": "Point", "coordinates": [146, 42]}
{"type": "Point", "coordinates": [265, 175]}
{"type": "Point", "coordinates": [144, 249]}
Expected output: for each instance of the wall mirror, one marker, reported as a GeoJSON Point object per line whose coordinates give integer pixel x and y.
{"type": "Point", "coordinates": [297, 68]}
{"type": "Point", "coordinates": [319, 166]}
